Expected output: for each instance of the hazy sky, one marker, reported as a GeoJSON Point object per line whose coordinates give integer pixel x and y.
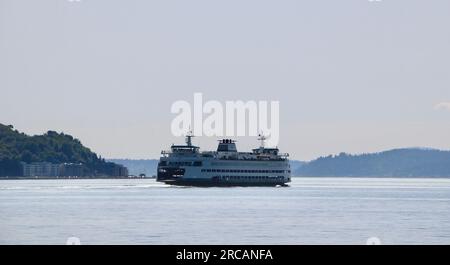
{"type": "Point", "coordinates": [350, 75]}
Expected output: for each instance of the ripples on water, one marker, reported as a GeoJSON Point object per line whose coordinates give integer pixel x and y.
{"type": "Point", "coordinates": [310, 211]}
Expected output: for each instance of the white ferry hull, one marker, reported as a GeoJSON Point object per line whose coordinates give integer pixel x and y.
{"type": "Point", "coordinates": [222, 183]}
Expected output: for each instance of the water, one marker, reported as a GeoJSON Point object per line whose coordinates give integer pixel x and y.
{"type": "Point", "coordinates": [310, 211]}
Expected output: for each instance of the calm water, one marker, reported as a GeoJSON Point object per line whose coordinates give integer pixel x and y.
{"type": "Point", "coordinates": [311, 211]}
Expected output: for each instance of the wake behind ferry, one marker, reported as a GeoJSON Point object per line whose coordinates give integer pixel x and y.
{"type": "Point", "coordinates": [186, 165]}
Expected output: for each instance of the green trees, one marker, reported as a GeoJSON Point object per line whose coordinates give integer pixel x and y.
{"type": "Point", "coordinates": [51, 147]}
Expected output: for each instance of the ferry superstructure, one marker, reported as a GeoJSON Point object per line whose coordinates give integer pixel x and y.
{"type": "Point", "coordinates": [186, 165]}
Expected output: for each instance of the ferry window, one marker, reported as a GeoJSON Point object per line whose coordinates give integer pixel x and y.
{"type": "Point", "coordinates": [197, 163]}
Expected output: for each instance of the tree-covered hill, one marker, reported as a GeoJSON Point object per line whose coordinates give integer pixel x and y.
{"type": "Point", "coordinates": [408, 162]}
{"type": "Point", "coordinates": [16, 147]}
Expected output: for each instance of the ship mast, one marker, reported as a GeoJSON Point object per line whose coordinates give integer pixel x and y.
{"type": "Point", "coordinates": [189, 136]}
{"type": "Point", "coordinates": [262, 138]}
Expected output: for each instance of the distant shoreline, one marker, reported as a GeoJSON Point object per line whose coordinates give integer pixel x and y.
{"type": "Point", "coordinates": [296, 177]}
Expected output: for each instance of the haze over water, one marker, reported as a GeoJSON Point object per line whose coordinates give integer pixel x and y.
{"type": "Point", "coordinates": [310, 211]}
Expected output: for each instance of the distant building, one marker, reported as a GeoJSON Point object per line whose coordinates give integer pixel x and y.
{"type": "Point", "coordinates": [72, 170]}
{"type": "Point", "coordinates": [40, 169]}
{"type": "Point", "coordinates": [119, 171]}
{"type": "Point", "coordinates": [46, 169]}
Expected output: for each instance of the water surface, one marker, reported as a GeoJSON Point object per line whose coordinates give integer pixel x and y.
{"type": "Point", "coordinates": [310, 211]}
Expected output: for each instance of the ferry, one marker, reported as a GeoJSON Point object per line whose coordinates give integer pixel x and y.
{"type": "Point", "coordinates": [186, 165]}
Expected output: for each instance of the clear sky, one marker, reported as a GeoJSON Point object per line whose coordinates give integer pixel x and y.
{"type": "Point", "coordinates": [351, 75]}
